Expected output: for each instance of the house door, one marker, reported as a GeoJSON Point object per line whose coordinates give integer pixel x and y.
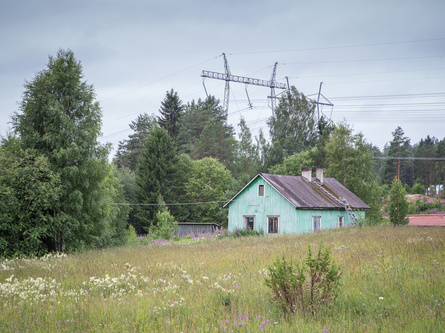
{"type": "Point", "coordinates": [273, 225]}
{"type": "Point", "coordinates": [316, 223]}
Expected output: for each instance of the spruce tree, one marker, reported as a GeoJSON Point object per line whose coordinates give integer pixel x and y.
{"type": "Point", "coordinates": [171, 110]}
{"type": "Point", "coordinates": [154, 177]}
{"type": "Point", "coordinates": [398, 205]}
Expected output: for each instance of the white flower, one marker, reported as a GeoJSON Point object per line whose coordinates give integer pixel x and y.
{"type": "Point", "coordinates": [380, 298]}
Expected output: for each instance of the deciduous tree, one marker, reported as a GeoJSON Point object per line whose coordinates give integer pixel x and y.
{"type": "Point", "coordinates": [293, 127]}
{"type": "Point", "coordinates": [59, 119]}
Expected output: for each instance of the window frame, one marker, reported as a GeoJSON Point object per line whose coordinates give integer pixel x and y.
{"type": "Point", "coordinates": [261, 190]}
{"type": "Point", "coordinates": [341, 222]}
{"type": "Point", "coordinates": [277, 231]}
{"type": "Point", "coordinates": [246, 223]}
{"type": "Point", "coordinates": [314, 220]}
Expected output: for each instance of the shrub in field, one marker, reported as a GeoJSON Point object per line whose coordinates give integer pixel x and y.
{"type": "Point", "coordinates": [246, 232]}
{"type": "Point", "coordinates": [304, 286]}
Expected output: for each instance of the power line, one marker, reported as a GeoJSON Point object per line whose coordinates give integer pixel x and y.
{"type": "Point", "coordinates": [359, 60]}
{"type": "Point", "coordinates": [167, 204]}
{"type": "Point", "coordinates": [343, 46]}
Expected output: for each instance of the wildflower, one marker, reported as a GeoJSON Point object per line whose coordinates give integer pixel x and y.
{"type": "Point", "coordinates": [259, 317]}
{"type": "Point", "coordinates": [381, 298]}
{"type": "Point", "coordinates": [325, 330]}
{"type": "Point", "coordinates": [261, 327]}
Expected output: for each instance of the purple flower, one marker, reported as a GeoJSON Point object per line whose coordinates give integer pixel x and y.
{"type": "Point", "coordinates": [325, 330]}
{"type": "Point", "coordinates": [261, 326]}
{"type": "Point", "coordinates": [259, 317]}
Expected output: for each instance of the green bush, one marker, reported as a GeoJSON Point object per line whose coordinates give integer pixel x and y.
{"type": "Point", "coordinates": [304, 286]}
{"type": "Point", "coordinates": [418, 189]}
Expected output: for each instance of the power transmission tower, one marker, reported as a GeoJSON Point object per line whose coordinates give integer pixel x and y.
{"type": "Point", "coordinates": [228, 77]}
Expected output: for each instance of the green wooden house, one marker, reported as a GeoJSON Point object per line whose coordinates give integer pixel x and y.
{"type": "Point", "coordinates": [294, 204]}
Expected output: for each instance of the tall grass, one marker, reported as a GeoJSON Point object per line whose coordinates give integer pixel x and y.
{"type": "Point", "coordinates": [393, 281]}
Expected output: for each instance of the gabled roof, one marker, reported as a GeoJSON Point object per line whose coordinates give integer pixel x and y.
{"type": "Point", "coordinates": [306, 195]}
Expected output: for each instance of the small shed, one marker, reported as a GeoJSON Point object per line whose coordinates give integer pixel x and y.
{"type": "Point", "coordinates": [293, 204]}
{"type": "Point", "coordinates": [188, 228]}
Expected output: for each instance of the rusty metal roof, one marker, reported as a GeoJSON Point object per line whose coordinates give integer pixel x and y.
{"type": "Point", "coordinates": [306, 195]}
{"type": "Point", "coordinates": [427, 220]}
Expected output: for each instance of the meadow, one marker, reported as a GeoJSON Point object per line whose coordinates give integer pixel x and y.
{"type": "Point", "coordinates": [393, 281]}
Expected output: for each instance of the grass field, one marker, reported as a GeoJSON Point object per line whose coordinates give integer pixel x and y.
{"type": "Point", "coordinates": [393, 281]}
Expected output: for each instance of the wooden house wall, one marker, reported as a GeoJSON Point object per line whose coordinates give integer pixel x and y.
{"type": "Point", "coordinates": [290, 219]}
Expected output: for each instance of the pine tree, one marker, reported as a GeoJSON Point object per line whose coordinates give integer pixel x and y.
{"type": "Point", "coordinates": [154, 176]}
{"type": "Point", "coordinates": [171, 111]}
{"type": "Point", "coordinates": [399, 147]}
{"type": "Point", "coordinates": [60, 120]}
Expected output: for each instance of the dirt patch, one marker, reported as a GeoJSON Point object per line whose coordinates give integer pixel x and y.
{"type": "Point", "coordinates": [421, 197]}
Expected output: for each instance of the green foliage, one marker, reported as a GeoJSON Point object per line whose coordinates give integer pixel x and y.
{"type": "Point", "coordinates": [166, 224]}
{"type": "Point", "coordinates": [304, 287]}
{"type": "Point", "coordinates": [399, 147]}
{"type": "Point", "coordinates": [60, 120]}
{"type": "Point", "coordinates": [247, 158]}
{"type": "Point", "coordinates": [424, 207]}
{"type": "Point", "coordinates": [127, 179]}
{"type": "Point", "coordinates": [154, 176]}
{"type": "Point", "coordinates": [171, 110]}
{"type": "Point", "coordinates": [132, 235]}
{"type": "Point", "coordinates": [204, 132]}
{"type": "Point", "coordinates": [29, 191]}
{"type": "Point", "coordinates": [209, 182]}
{"type": "Point", "coordinates": [350, 162]}
{"type": "Point", "coordinates": [418, 189]}
{"type": "Point", "coordinates": [398, 205]}
{"type": "Point", "coordinates": [292, 165]}
{"type": "Point", "coordinates": [116, 232]}
{"type": "Point", "coordinates": [293, 127]}
{"type": "Point", "coordinates": [246, 232]}
{"type": "Point", "coordinates": [130, 150]}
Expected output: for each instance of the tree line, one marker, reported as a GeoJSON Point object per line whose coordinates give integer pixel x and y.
{"type": "Point", "coordinates": [58, 192]}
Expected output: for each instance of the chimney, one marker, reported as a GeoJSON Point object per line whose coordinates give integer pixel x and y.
{"type": "Point", "coordinates": [319, 175]}
{"type": "Point", "coordinates": [306, 173]}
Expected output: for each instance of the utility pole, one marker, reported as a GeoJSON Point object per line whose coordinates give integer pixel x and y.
{"type": "Point", "coordinates": [228, 77]}
{"type": "Point", "coordinates": [321, 103]}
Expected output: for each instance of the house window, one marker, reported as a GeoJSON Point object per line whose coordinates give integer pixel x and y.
{"type": "Point", "coordinates": [273, 225]}
{"type": "Point", "coordinates": [249, 222]}
{"type": "Point", "coordinates": [341, 221]}
{"type": "Point", "coordinates": [261, 190]}
{"type": "Point", "coordinates": [316, 223]}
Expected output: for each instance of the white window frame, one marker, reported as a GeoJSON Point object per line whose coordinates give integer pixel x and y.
{"type": "Point", "coordinates": [341, 222]}
{"type": "Point", "coordinates": [264, 190]}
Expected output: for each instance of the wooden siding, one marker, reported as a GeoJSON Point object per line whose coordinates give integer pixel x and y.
{"type": "Point", "coordinates": [290, 219]}
{"type": "Point", "coordinates": [185, 229]}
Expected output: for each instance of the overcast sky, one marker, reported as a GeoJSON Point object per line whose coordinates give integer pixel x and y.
{"type": "Point", "coordinates": [382, 62]}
